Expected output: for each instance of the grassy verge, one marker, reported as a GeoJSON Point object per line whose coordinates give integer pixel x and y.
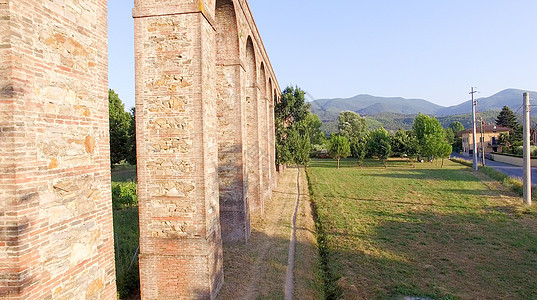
{"type": "Point", "coordinates": [124, 173]}
{"type": "Point", "coordinates": [329, 289]}
{"type": "Point", "coordinates": [126, 236]}
{"type": "Point", "coordinates": [423, 230]}
{"type": "Point", "coordinates": [126, 230]}
{"type": "Point", "coordinates": [513, 184]}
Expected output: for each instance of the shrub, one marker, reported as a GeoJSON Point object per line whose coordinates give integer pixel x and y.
{"type": "Point", "coordinates": [124, 195]}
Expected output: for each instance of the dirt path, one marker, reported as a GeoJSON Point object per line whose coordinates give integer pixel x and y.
{"type": "Point", "coordinates": [258, 269]}
{"type": "Point", "coordinates": [289, 281]}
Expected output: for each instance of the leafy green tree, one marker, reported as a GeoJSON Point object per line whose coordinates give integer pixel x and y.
{"type": "Point", "coordinates": [444, 152]}
{"type": "Point", "coordinates": [405, 144]}
{"type": "Point", "coordinates": [131, 156]}
{"type": "Point", "coordinates": [398, 143]}
{"type": "Point", "coordinates": [456, 126]}
{"type": "Point", "coordinates": [339, 147]}
{"type": "Point", "coordinates": [359, 149]}
{"type": "Point", "coordinates": [450, 135]}
{"type": "Point", "coordinates": [412, 146]}
{"type": "Point", "coordinates": [379, 144]}
{"type": "Point", "coordinates": [121, 142]}
{"type": "Point", "coordinates": [315, 133]}
{"type": "Point", "coordinates": [351, 125]}
{"type": "Point", "coordinates": [430, 135]}
{"type": "Point", "coordinates": [299, 143]}
{"type": "Point", "coordinates": [456, 141]}
{"type": "Point", "coordinates": [290, 115]}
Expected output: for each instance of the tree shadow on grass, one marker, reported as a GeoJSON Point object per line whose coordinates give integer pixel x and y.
{"type": "Point", "coordinates": [387, 201]}
{"type": "Point", "coordinates": [429, 174]}
{"type": "Point", "coordinates": [464, 255]}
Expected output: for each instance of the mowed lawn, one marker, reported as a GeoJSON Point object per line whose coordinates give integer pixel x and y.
{"type": "Point", "coordinates": [423, 230]}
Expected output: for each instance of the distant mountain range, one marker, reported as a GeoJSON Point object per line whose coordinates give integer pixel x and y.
{"type": "Point", "coordinates": [367, 105]}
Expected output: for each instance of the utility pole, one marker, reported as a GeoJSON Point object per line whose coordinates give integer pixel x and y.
{"type": "Point", "coordinates": [527, 153]}
{"type": "Point", "coordinates": [483, 142]}
{"type": "Point", "coordinates": [474, 129]}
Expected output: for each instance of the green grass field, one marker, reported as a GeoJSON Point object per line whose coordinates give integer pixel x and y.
{"type": "Point", "coordinates": [126, 236]}
{"type": "Point", "coordinates": [422, 230]}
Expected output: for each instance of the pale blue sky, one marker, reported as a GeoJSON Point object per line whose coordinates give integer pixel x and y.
{"type": "Point", "coordinates": [435, 50]}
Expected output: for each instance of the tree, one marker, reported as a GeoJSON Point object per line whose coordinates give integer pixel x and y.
{"type": "Point", "coordinates": [444, 152]}
{"type": "Point", "coordinates": [450, 135]}
{"type": "Point", "coordinates": [506, 118]}
{"type": "Point", "coordinates": [430, 135]}
{"type": "Point", "coordinates": [380, 144]}
{"type": "Point", "coordinates": [456, 126]}
{"type": "Point", "coordinates": [412, 146]}
{"type": "Point", "coordinates": [351, 125]}
{"type": "Point", "coordinates": [398, 143]}
{"type": "Point", "coordinates": [359, 149]}
{"type": "Point", "coordinates": [290, 115]}
{"type": "Point", "coordinates": [120, 121]}
{"type": "Point", "coordinates": [131, 156]}
{"type": "Point", "coordinates": [299, 143]}
{"type": "Point", "coordinates": [315, 133]}
{"type": "Point", "coordinates": [339, 147]}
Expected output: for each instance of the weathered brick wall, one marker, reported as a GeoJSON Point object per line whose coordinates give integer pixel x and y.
{"type": "Point", "coordinates": [56, 236]}
{"type": "Point", "coordinates": [263, 134]}
{"type": "Point", "coordinates": [203, 130]}
{"type": "Point", "coordinates": [180, 238]}
{"type": "Point", "coordinates": [271, 136]}
{"type": "Point", "coordinates": [255, 189]}
{"type": "Point", "coordinates": [232, 167]}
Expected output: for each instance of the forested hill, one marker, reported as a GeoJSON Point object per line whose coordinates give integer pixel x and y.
{"type": "Point", "coordinates": [367, 105]}
{"type": "Point", "coordinates": [394, 113]}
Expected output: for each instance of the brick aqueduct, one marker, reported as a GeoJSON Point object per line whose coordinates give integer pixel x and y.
{"type": "Point", "coordinates": [205, 92]}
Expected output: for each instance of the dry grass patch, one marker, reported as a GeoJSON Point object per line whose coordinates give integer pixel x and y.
{"type": "Point", "coordinates": [257, 269]}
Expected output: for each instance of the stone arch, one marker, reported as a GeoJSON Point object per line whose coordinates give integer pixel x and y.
{"type": "Point", "coordinates": [232, 171]}
{"type": "Point", "coordinates": [227, 33]}
{"type": "Point", "coordinates": [253, 129]}
{"type": "Point", "coordinates": [263, 138]}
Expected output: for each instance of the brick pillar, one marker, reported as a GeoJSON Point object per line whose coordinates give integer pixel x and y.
{"type": "Point", "coordinates": [232, 167]}
{"type": "Point", "coordinates": [263, 132]}
{"type": "Point", "coordinates": [180, 241]}
{"type": "Point", "coordinates": [271, 136]}
{"type": "Point", "coordinates": [255, 188]}
{"type": "Point", "coordinates": [56, 235]}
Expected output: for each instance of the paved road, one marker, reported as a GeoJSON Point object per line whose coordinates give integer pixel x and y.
{"type": "Point", "coordinates": [509, 170]}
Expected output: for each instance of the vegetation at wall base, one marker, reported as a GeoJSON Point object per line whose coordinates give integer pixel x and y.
{"type": "Point", "coordinates": [124, 195]}
{"type": "Point", "coordinates": [126, 229]}
{"type": "Point", "coordinates": [126, 240]}
{"type": "Point", "coordinates": [443, 233]}
{"type": "Point", "coordinates": [330, 288]}
{"type": "Point", "coordinates": [510, 183]}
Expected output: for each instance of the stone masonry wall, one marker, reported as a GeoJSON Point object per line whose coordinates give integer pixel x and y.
{"type": "Point", "coordinates": [232, 167]}
{"type": "Point", "coordinates": [202, 130]}
{"type": "Point", "coordinates": [180, 239]}
{"type": "Point", "coordinates": [56, 236]}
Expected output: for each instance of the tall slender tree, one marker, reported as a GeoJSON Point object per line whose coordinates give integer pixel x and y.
{"type": "Point", "coordinates": [120, 122]}
{"type": "Point", "coordinates": [292, 136]}
{"type": "Point", "coordinates": [339, 147]}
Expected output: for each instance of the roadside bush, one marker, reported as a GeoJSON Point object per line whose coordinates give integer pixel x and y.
{"type": "Point", "coordinates": [124, 195]}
